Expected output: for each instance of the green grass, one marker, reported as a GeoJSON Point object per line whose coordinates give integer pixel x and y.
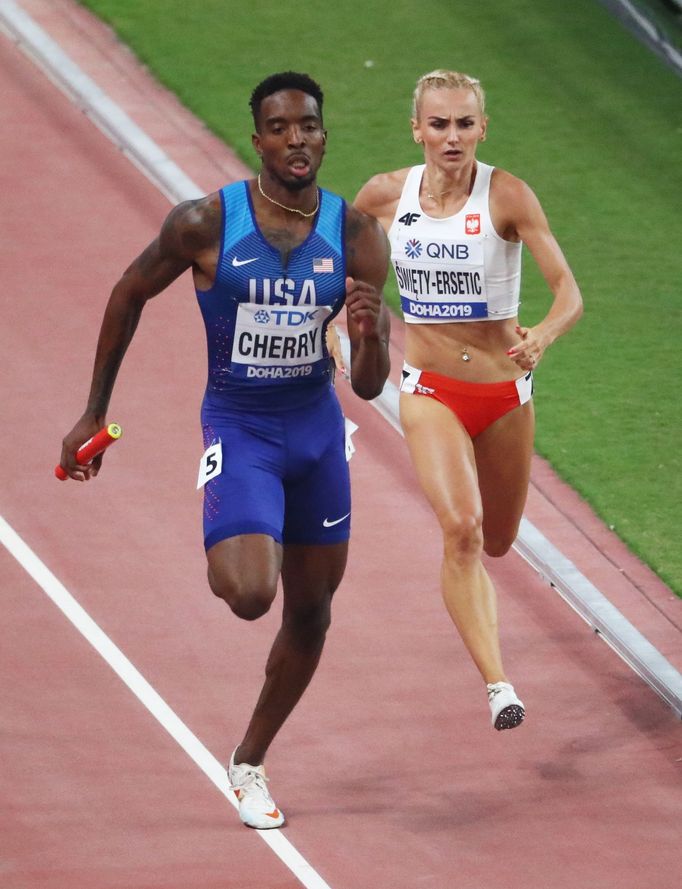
{"type": "Point", "coordinates": [586, 115]}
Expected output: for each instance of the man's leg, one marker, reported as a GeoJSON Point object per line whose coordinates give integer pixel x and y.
{"type": "Point", "coordinates": [310, 576]}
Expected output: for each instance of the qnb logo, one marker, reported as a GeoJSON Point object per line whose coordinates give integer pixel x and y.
{"type": "Point", "coordinates": [261, 316]}
{"type": "Point", "coordinates": [447, 251]}
{"type": "Point", "coordinates": [413, 248]}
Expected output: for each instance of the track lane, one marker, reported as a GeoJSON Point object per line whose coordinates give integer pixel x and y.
{"type": "Point", "coordinates": [389, 771]}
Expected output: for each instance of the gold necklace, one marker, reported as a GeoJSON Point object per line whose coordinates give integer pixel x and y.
{"type": "Point", "coordinates": [291, 209]}
{"type": "Point", "coordinates": [430, 194]}
{"type": "Point", "coordinates": [434, 196]}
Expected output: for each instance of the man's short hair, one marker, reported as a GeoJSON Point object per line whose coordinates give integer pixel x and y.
{"type": "Point", "coordinates": [286, 80]}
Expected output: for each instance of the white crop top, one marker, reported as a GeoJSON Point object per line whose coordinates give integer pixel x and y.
{"type": "Point", "coordinates": [454, 269]}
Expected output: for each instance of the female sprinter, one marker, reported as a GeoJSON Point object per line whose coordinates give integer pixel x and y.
{"type": "Point", "coordinates": [456, 227]}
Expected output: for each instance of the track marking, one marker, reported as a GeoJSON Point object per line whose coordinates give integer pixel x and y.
{"type": "Point", "coordinates": [148, 696]}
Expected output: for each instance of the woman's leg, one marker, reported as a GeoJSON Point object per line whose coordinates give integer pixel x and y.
{"type": "Point", "coordinates": [444, 459]}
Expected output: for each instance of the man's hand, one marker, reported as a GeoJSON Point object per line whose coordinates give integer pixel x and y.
{"type": "Point", "coordinates": [363, 303]}
{"type": "Point", "coordinates": [85, 428]}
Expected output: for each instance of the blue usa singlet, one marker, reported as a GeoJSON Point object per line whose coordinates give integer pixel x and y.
{"type": "Point", "coordinates": [270, 406]}
{"type": "Point", "coordinates": [265, 321]}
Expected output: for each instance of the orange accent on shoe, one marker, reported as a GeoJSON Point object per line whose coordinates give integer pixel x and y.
{"type": "Point", "coordinates": [274, 814]}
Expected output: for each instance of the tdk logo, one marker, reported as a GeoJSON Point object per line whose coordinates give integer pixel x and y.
{"type": "Point", "coordinates": [261, 316]}
{"type": "Point", "coordinates": [413, 248]}
{"type": "Point", "coordinates": [290, 317]}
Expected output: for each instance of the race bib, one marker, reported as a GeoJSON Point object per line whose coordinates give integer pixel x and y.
{"type": "Point", "coordinates": [278, 336]}
{"type": "Point", "coordinates": [211, 464]}
{"type": "Point", "coordinates": [441, 279]}
{"type": "Point", "coordinates": [351, 427]}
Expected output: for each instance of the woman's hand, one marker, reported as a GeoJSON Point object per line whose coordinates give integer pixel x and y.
{"type": "Point", "coordinates": [528, 352]}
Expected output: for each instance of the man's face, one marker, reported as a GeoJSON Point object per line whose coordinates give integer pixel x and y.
{"type": "Point", "coordinates": [290, 139]}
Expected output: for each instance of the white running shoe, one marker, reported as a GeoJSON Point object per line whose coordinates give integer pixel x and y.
{"type": "Point", "coordinates": [507, 710]}
{"type": "Point", "coordinates": [256, 806]}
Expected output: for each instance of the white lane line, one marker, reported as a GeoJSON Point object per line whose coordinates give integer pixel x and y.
{"type": "Point", "coordinates": [143, 151]}
{"type": "Point", "coordinates": [604, 618]}
{"type": "Point", "coordinates": [646, 30]}
{"type": "Point", "coordinates": [151, 699]}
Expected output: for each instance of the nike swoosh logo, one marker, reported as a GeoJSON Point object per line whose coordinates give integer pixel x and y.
{"type": "Point", "coordinates": [327, 524]}
{"type": "Point", "coordinates": [237, 262]}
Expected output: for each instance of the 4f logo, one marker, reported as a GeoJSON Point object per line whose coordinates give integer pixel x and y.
{"type": "Point", "coordinates": [409, 218]}
{"type": "Point", "coordinates": [472, 224]}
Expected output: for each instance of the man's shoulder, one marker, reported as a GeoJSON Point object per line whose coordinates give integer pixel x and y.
{"type": "Point", "coordinates": [193, 211]}
{"type": "Point", "coordinates": [364, 232]}
{"type": "Point", "coordinates": [357, 220]}
{"type": "Point", "coordinates": [195, 224]}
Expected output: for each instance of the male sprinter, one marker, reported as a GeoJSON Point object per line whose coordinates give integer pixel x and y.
{"type": "Point", "coordinates": [274, 259]}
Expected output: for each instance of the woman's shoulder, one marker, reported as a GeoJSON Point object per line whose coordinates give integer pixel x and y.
{"type": "Point", "coordinates": [512, 203]}
{"type": "Point", "coordinates": [506, 185]}
{"type": "Point", "coordinates": [382, 190]}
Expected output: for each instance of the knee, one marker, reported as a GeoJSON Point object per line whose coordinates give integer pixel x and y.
{"type": "Point", "coordinates": [462, 536]}
{"type": "Point", "coordinates": [250, 605]}
{"type": "Point", "coordinates": [309, 623]}
{"type": "Point", "coordinates": [248, 601]}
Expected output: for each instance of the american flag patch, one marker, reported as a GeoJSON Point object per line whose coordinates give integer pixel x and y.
{"type": "Point", "coordinates": [320, 266]}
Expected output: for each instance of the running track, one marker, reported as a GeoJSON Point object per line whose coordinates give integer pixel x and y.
{"type": "Point", "coordinates": [389, 771]}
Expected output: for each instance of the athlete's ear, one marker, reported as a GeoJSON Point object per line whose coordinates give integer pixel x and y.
{"type": "Point", "coordinates": [255, 141]}
{"type": "Point", "coordinates": [324, 137]}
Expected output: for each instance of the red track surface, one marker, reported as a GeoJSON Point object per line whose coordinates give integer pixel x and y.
{"type": "Point", "coordinates": [389, 770]}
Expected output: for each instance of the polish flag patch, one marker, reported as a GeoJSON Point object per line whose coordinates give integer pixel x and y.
{"type": "Point", "coordinates": [472, 224]}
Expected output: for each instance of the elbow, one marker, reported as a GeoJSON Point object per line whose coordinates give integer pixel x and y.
{"type": "Point", "coordinates": [370, 383]}
{"type": "Point", "coordinates": [367, 389]}
{"type": "Point", "coordinates": [367, 393]}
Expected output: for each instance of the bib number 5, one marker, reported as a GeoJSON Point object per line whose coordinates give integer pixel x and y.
{"type": "Point", "coordinates": [211, 464]}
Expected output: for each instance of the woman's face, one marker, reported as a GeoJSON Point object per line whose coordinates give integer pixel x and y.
{"type": "Point", "coordinates": [450, 125]}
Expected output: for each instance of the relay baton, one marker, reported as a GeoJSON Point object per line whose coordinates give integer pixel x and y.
{"type": "Point", "coordinates": [93, 446]}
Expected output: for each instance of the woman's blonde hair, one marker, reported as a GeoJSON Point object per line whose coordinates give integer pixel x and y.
{"type": "Point", "coordinates": [442, 79]}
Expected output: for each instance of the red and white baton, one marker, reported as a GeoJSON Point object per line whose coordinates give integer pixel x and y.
{"type": "Point", "coordinates": [93, 446]}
